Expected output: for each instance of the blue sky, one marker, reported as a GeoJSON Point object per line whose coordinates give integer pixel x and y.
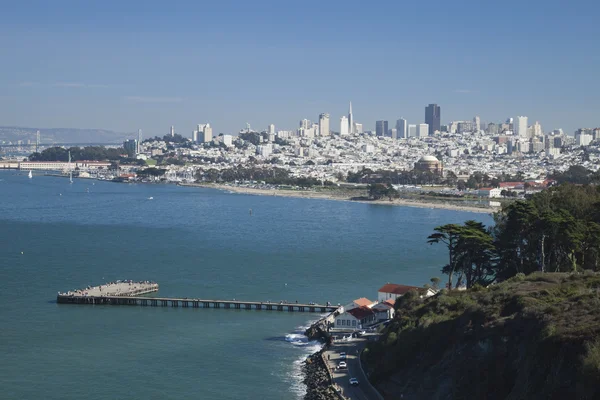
{"type": "Point", "coordinates": [124, 65]}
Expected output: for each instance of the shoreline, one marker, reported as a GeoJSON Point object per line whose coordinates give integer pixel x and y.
{"type": "Point", "coordinates": [311, 194]}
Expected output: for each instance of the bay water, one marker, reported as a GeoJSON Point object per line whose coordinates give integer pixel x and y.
{"type": "Point", "coordinates": [195, 242]}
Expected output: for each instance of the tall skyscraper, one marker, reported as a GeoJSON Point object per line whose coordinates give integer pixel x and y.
{"type": "Point", "coordinates": [344, 126]}
{"type": "Point", "coordinates": [423, 130]}
{"type": "Point", "coordinates": [350, 120]}
{"type": "Point", "coordinates": [520, 127]}
{"type": "Point", "coordinates": [172, 131]}
{"type": "Point", "coordinates": [271, 129]}
{"type": "Point", "coordinates": [402, 128]}
{"type": "Point", "coordinates": [207, 134]}
{"type": "Point", "coordinates": [412, 130]}
{"type": "Point", "coordinates": [381, 128]}
{"type": "Point", "coordinates": [433, 118]}
{"type": "Point", "coordinates": [139, 142]}
{"type": "Point", "coordinates": [537, 129]}
{"type": "Point", "coordinates": [324, 124]}
{"type": "Point", "coordinates": [305, 124]}
{"type": "Point", "coordinates": [476, 123]}
{"type": "Point", "coordinates": [358, 128]}
{"type": "Point", "coordinates": [37, 141]}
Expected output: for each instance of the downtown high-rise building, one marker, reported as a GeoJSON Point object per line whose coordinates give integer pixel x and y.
{"type": "Point", "coordinates": [172, 131]}
{"type": "Point", "coordinates": [423, 130]}
{"type": "Point", "coordinates": [520, 127]}
{"type": "Point", "coordinates": [402, 128]}
{"type": "Point", "coordinates": [344, 128]}
{"type": "Point", "coordinates": [350, 120]}
{"type": "Point", "coordinates": [381, 128]}
{"type": "Point", "coordinates": [271, 129]}
{"type": "Point", "coordinates": [207, 134]}
{"type": "Point", "coordinates": [139, 142]}
{"type": "Point", "coordinates": [324, 124]}
{"type": "Point", "coordinates": [476, 123]}
{"type": "Point", "coordinates": [358, 128]}
{"type": "Point", "coordinates": [433, 118]}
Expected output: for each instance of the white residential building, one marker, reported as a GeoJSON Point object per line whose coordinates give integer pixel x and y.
{"type": "Point", "coordinates": [422, 130]}
{"type": "Point", "coordinates": [227, 140]}
{"type": "Point", "coordinates": [393, 291]}
{"type": "Point", "coordinates": [358, 128]}
{"type": "Point", "coordinates": [344, 125]}
{"type": "Point", "coordinates": [520, 127]}
{"type": "Point", "coordinates": [324, 124]}
{"type": "Point", "coordinates": [412, 130]}
{"type": "Point", "coordinates": [489, 193]}
{"type": "Point", "coordinates": [583, 139]}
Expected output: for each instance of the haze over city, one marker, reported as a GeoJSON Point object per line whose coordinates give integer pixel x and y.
{"type": "Point", "coordinates": [150, 65]}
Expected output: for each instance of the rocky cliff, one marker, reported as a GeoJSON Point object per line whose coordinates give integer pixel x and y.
{"type": "Point", "coordinates": [534, 337]}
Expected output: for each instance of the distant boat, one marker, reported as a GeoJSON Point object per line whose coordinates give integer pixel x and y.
{"type": "Point", "coordinates": [30, 174]}
{"type": "Point", "coordinates": [150, 198]}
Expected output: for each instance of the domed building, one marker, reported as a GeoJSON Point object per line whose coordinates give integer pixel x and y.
{"type": "Point", "coordinates": [431, 164]}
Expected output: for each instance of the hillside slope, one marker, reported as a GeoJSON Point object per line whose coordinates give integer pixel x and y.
{"type": "Point", "coordinates": [534, 337]}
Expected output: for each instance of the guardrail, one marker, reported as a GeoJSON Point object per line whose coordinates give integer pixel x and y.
{"type": "Point", "coordinates": [338, 390]}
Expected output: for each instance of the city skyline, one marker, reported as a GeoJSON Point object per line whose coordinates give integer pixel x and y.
{"type": "Point", "coordinates": [116, 67]}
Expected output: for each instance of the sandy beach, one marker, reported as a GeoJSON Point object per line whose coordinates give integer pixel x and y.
{"type": "Point", "coordinates": [312, 194]}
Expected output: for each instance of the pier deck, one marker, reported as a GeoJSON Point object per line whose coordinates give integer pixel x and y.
{"type": "Point", "coordinates": [126, 293]}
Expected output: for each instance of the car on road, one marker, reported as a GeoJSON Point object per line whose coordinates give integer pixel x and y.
{"type": "Point", "coordinates": [342, 356]}
{"type": "Point", "coordinates": [342, 365]}
{"type": "Point", "coordinates": [353, 382]}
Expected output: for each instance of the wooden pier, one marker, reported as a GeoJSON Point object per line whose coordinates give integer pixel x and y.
{"type": "Point", "coordinates": [132, 298]}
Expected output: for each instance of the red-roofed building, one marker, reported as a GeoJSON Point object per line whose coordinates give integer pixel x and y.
{"type": "Point", "coordinates": [392, 291]}
{"type": "Point", "coordinates": [362, 302]}
{"type": "Point", "coordinates": [384, 310]}
{"type": "Point", "coordinates": [356, 318]}
{"type": "Point", "coordinates": [511, 185]}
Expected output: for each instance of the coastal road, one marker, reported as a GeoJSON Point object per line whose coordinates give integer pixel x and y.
{"type": "Point", "coordinates": [352, 348]}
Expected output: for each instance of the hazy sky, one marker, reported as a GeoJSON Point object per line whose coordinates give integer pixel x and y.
{"type": "Point", "coordinates": [124, 65]}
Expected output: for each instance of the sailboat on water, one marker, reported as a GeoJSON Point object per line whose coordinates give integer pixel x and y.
{"type": "Point", "coordinates": [30, 174]}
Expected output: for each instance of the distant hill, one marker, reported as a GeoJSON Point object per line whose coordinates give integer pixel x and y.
{"type": "Point", "coordinates": [62, 135]}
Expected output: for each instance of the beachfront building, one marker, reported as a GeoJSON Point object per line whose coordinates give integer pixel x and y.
{"type": "Point", "coordinates": [362, 302]}
{"type": "Point", "coordinates": [356, 318]}
{"type": "Point", "coordinates": [391, 291]}
{"type": "Point", "coordinates": [384, 310]}
{"type": "Point", "coordinates": [489, 192]}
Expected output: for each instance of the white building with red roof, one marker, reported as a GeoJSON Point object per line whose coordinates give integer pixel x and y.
{"type": "Point", "coordinates": [356, 318]}
{"type": "Point", "coordinates": [393, 291]}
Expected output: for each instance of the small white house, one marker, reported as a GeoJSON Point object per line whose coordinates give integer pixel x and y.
{"type": "Point", "coordinates": [384, 310]}
{"type": "Point", "coordinates": [489, 193]}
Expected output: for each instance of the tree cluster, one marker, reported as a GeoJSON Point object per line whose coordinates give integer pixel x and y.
{"type": "Point", "coordinates": [273, 176]}
{"type": "Point", "coordinates": [89, 153]}
{"type": "Point", "coordinates": [576, 174]}
{"type": "Point", "coordinates": [557, 230]}
{"type": "Point", "coordinates": [378, 191]}
{"type": "Point", "coordinates": [414, 177]}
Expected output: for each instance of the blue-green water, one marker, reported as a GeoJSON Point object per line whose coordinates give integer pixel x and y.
{"type": "Point", "coordinates": [196, 243]}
